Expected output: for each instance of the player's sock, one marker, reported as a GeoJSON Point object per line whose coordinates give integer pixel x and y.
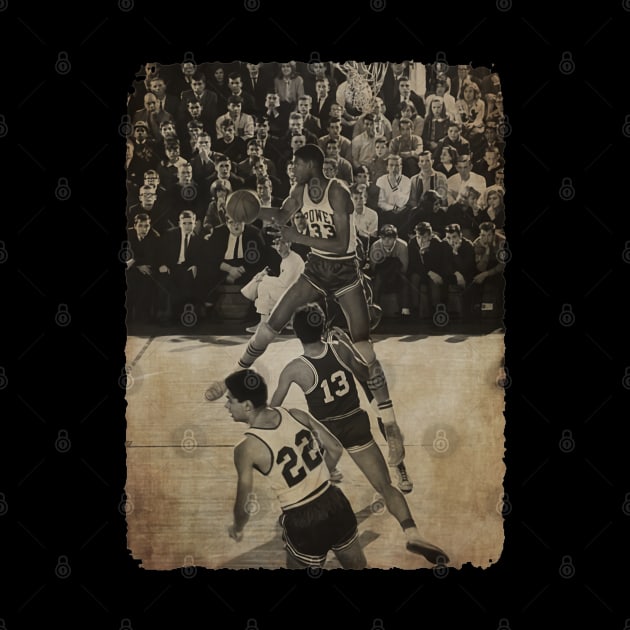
{"type": "Point", "coordinates": [393, 436]}
{"type": "Point", "coordinates": [250, 355]}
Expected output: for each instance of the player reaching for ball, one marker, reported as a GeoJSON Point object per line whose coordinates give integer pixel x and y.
{"type": "Point", "coordinates": [332, 269]}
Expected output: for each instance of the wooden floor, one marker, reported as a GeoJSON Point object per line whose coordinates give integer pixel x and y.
{"type": "Point", "coordinates": [181, 480]}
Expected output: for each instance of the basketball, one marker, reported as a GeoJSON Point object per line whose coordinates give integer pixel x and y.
{"type": "Point", "coordinates": [243, 206]}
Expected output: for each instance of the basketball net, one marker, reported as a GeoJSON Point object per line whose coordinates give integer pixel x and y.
{"type": "Point", "coordinates": [364, 83]}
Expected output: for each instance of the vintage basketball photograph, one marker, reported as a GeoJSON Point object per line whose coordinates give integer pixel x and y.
{"type": "Point", "coordinates": [315, 309]}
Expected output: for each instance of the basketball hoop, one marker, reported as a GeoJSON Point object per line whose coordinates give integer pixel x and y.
{"type": "Point", "coordinates": [364, 82]}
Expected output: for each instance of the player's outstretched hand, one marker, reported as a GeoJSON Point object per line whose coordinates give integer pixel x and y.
{"type": "Point", "coordinates": [215, 390]}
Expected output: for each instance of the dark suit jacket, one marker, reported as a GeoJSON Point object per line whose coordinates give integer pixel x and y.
{"type": "Point", "coordinates": [170, 243]}
{"type": "Point", "coordinates": [209, 101]}
{"type": "Point", "coordinates": [146, 251]}
{"type": "Point", "coordinates": [323, 113]}
{"type": "Point", "coordinates": [264, 85]}
{"type": "Point", "coordinates": [255, 251]}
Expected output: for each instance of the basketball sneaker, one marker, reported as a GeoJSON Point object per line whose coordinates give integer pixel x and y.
{"type": "Point", "coordinates": [404, 483]}
{"type": "Point", "coordinates": [415, 544]}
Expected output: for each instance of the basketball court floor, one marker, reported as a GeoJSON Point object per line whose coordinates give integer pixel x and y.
{"type": "Point", "coordinates": [181, 480]}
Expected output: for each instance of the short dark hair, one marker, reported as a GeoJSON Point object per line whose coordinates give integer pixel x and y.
{"type": "Point", "coordinates": [140, 217]}
{"type": "Point", "coordinates": [247, 385]}
{"type": "Point", "coordinates": [453, 228]}
{"type": "Point", "coordinates": [308, 323]}
{"type": "Point", "coordinates": [311, 153]}
{"type": "Point", "coordinates": [487, 226]}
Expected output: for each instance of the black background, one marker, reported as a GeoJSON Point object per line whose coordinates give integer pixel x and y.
{"type": "Point", "coordinates": [567, 494]}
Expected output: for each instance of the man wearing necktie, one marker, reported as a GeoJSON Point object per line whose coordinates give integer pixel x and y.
{"type": "Point", "coordinates": [180, 258]}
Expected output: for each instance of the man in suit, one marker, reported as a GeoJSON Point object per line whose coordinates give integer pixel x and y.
{"type": "Point", "coordinates": [235, 85]}
{"type": "Point", "coordinates": [322, 101]}
{"type": "Point", "coordinates": [180, 258]}
{"type": "Point", "coordinates": [311, 123]}
{"type": "Point", "coordinates": [150, 115]}
{"type": "Point", "coordinates": [166, 102]}
{"type": "Point", "coordinates": [208, 99]}
{"type": "Point", "coordinates": [257, 81]}
{"type": "Point", "coordinates": [141, 269]}
{"type": "Point", "coordinates": [236, 253]}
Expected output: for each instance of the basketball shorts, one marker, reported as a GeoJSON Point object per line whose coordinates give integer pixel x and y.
{"type": "Point", "coordinates": [354, 432]}
{"type": "Point", "coordinates": [326, 523]}
{"type": "Point", "coordinates": [334, 277]}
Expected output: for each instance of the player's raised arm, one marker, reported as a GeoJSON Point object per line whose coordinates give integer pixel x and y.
{"type": "Point", "coordinates": [295, 372]}
{"type": "Point", "coordinates": [289, 207]}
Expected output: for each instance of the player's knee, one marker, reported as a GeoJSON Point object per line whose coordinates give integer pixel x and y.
{"type": "Point", "coordinates": [266, 333]}
{"type": "Point", "coordinates": [366, 352]}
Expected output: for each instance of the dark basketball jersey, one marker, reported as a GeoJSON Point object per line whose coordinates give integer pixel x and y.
{"type": "Point", "coordinates": [334, 395]}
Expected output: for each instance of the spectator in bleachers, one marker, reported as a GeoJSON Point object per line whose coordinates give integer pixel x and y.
{"type": "Point", "coordinates": [257, 81]}
{"type": "Point", "coordinates": [187, 194]}
{"type": "Point", "coordinates": [389, 259]}
{"type": "Point", "coordinates": [199, 92]}
{"type": "Point", "coordinates": [432, 210]}
{"type": "Point", "coordinates": [427, 178]}
{"type": "Point", "coordinates": [288, 85]}
{"type": "Point", "coordinates": [408, 147]}
{"type": "Point", "coordinates": [229, 143]}
{"type": "Point", "coordinates": [236, 253]}
{"type": "Point", "coordinates": [265, 190]}
{"type": "Point", "coordinates": [151, 115]}
{"type": "Point", "coordinates": [180, 257]}
{"type": "Point", "coordinates": [450, 105]}
{"type": "Point", "coordinates": [408, 111]}
{"type": "Point", "coordinates": [266, 289]}
{"type": "Point", "coordinates": [464, 177]}
{"type": "Point", "coordinates": [203, 160]}
{"type": "Point", "coordinates": [394, 189]}
{"type": "Point", "coordinates": [243, 123]}
{"type": "Point", "coordinates": [223, 165]}
{"type": "Point", "coordinates": [472, 111]}
{"type": "Point", "coordinates": [493, 208]}
{"type": "Point", "coordinates": [344, 167]}
{"type": "Point", "coordinates": [334, 133]}
{"type": "Point", "coordinates": [215, 214]}
{"type": "Point", "coordinates": [145, 204]}
{"type": "Point", "coordinates": [453, 138]}
{"type": "Point", "coordinates": [365, 218]}
{"type": "Point", "coordinates": [459, 266]}
{"type": "Point", "coordinates": [261, 171]}
{"type": "Point", "coordinates": [142, 268]}
{"type": "Point", "coordinates": [465, 212]}
{"type": "Point", "coordinates": [382, 124]}
{"type": "Point", "coordinates": [426, 269]}
{"type": "Point", "coordinates": [446, 161]}
{"type": "Point", "coordinates": [311, 123]}
{"type": "Point", "coordinates": [169, 165]}
{"type": "Point", "coordinates": [491, 139]}
{"type": "Point", "coordinates": [488, 284]}
{"type": "Point", "coordinates": [361, 175]}
{"type": "Point", "coordinates": [488, 166]}
{"type": "Point", "coordinates": [322, 101]}
{"type": "Point", "coordinates": [318, 71]}
{"type": "Point", "coordinates": [435, 124]}
{"type": "Point", "coordinates": [277, 119]}
{"type": "Point", "coordinates": [363, 145]}
{"type": "Point", "coordinates": [166, 101]}
{"type": "Point", "coordinates": [219, 85]}
{"type": "Point", "coordinates": [235, 85]}
{"type": "Point", "coordinates": [144, 153]}
{"type": "Point", "coordinates": [378, 165]}
{"type": "Point", "coordinates": [182, 77]}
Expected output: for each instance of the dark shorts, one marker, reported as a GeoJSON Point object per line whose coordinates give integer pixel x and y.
{"type": "Point", "coordinates": [332, 276]}
{"type": "Point", "coordinates": [354, 432]}
{"type": "Point", "coordinates": [325, 524]}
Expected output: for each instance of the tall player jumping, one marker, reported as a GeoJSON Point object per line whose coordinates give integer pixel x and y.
{"type": "Point", "coordinates": [332, 268]}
